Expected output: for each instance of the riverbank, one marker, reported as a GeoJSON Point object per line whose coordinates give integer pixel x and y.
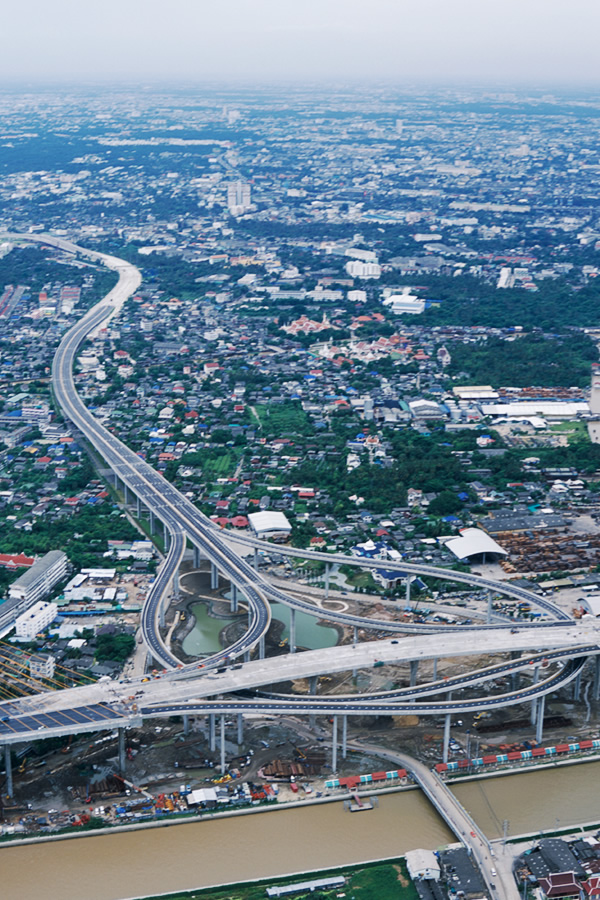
{"type": "Point", "coordinates": [226, 849]}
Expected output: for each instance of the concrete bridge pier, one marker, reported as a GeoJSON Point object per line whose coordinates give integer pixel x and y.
{"type": "Point", "coordinates": [292, 641]}
{"type": "Point", "coordinates": [596, 694]}
{"type": "Point", "coordinates": [577, 688]}
{"type": "Point", "coordinates": [196, 558]}
{"type": "Point", "coordinates": [312, 684]}
{"type": "Point", "coordinates": [214, 577]}
{"type": "Point", "coordinates": [240, 729]}
{"type": "Point", "coordinates": [334, 747]}
{"type": "Point", "coordinates": [126, 494]}
{"type": "Point", "coordinates": [166, 536]}
{"type": "Point", "coordinates": [408, 589]}
{"type": "Point", "coordinates": [247, 656]}
{"type": "Point", "coordinates": [447, 722]}
{"type": "Point", "coordinates": [344, 736]}
{"type": "Point", "coordinates": [435, 664]}
{"type": "Point", "coordinates": [515, 677]}
{"type": "Point", "coordinates": [489, 607]}
{"type": "Point", "coordinates": [540, 718]}
{"type": "Point", "coordinates": [414, 669]}
{"type": "Point", "coordinates": [222, 743]}
{"type": "Point", "coordinates": [261, 647]}
{"type": "Point", "coordinates": [233, 607]}
{"type": "Point", "coordinates": [327, 577]}
{"type": "Point", "coordinates": [138, 507]}
{"type": "Point", "coordinates": [186, 724]}
{"type": "Point", "coordinates": [536, 678]}
{"type": "Point", "coordinates": [122, 757]}
{"type": "Point", "coordinates": [255, 560]}
{"type": "Point", "coordinates": [8, 770]}
{"type": "Point", "coordinates": [151, 522]}
{"type": "Point", "coordinates": [212, 737]}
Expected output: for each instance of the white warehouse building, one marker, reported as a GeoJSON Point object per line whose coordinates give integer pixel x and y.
{"type": "Point", "coordinates": [269, 524]}
{"type": "Point", "coordinates": [35, 620]}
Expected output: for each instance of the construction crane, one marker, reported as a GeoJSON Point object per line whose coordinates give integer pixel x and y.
{"type": "Point", "coordinates": [134, 787]}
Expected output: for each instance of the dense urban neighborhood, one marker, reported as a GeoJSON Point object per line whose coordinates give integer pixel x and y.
{"type": "Point", "coordinates": [362, 355]}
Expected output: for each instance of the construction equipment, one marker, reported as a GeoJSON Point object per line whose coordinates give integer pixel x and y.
{"type": "Point", "coordinates": [134, 787]}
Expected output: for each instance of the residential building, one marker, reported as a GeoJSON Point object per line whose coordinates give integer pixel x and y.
{"type": "Point", "coordinates": [38, 617]}
{"type": "Point", "coordinates": [39, 580]}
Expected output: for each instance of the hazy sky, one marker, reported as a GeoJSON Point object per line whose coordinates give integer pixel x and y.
{"type": "Point", "coordinates": [539, 41]}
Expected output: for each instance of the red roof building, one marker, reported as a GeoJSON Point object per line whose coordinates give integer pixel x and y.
{"type": "Point", "coordinates": [15, 560]}
{"type": "Point", "coordinates": [560, 884]}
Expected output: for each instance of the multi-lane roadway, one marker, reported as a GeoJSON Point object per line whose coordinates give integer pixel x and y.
{"type": "Point", "coordinates": [184, 521]}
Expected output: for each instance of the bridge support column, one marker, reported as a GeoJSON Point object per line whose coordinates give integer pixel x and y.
{"type": "Point", "coordinates": [214, 577]}
{"type": "Point", "coordinates": [126, 494]}
{"type": "Point", "coordinates": [121, 749]}
{"type": "Point", "coordinates": [327, 576]}
{"type": "Point", "coordinates": [408, 589]}
{"type": "Point", "coordinates": [534, 703]}
{"type": "Point", "coordinates": [166, 536]}
{"type": "Point", "coordinates": [334, 747]}
{"type": "Point", "coordinates": [240, 729]}
{"type": "Point", "coordinates": [515, 677]}
{"type": "Point", "coordinates": [196, 557]}
{"type": "Point", "coordinates": [233, 606]}
{"type": "Point", "coordinates": [222, 744]}
{"type": "Point", "coordinates": [8, 769]}
{"type": "Point", "coordinates": [151, 522]}
{"type": "Point", "coordinates": [344, 736]}
{"type": "Point", "coordinates": [255, 560]}
{"type": "Point", "coordinates": [596, 695]}
{"type": "Point", "coordinates": [414, 668]}
{"type": "Point", "coordinates": [540, 718]}
{"type": "Point", "coordinates": [446, 746]}
{"type": "Point", "coordinates": [312, 684]}
{"type": "Point", "coordinates": [261, 647]}
{"type": "Point", "coordinates": [435, 662]}
{"type": "Point", "coordinates": [212, 737]}
{"type": "Point", "coordinates": [577, 688]}
{"type": "Point", "coordinates": [489, 607]}
{"type": "Point", "coordinates": [186, 724]}
{"type": "Point", "coordinates": [138, 507]}
{"type": "Point", "coordinates": [247, 656]}
{"type": "Point", "coordinates": [292, 640]}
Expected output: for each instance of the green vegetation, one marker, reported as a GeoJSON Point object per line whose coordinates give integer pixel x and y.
{"type": "Point", "coordinates": [114, 646]}
{"type": "Point", "coordinates": [562, 361]}
{"type": "Point", "coordinates": [373, 881]}
{"type": "Point", "coordinates": [283, 419]}
{"type": "Point", "coordinates": [83, 535]}
{"type": "Point", "coordinates": [556, 305]}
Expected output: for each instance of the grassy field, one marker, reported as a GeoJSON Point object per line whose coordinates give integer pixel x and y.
{"type": "Point", "coordinates": [376, 881]}
{"type": "Point", "coordinates": [575, 431]}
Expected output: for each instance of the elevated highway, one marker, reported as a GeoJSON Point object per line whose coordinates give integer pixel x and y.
{"type": "Point", "coordinates": [183, 521]}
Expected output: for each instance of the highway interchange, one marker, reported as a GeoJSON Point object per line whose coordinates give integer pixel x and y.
{"type": "Point", "coordinates": [186, 523]}
{"type": "Point", "coordinates": [211, 687]}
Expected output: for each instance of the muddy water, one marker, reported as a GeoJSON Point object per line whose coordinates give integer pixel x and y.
{"type": "Point", "coordinates": [558, 797]}
{"type": "Point", "coordinates": [151, 861]}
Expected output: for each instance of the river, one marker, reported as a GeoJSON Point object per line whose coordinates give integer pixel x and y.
{"type": "Point", "coordinates": [272, 843]}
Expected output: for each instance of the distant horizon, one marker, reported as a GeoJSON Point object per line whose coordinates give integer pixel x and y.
{"type": "Point", "coordinates": [242, 84]}
{"type": "Point", "coordinates": [543, 42]}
